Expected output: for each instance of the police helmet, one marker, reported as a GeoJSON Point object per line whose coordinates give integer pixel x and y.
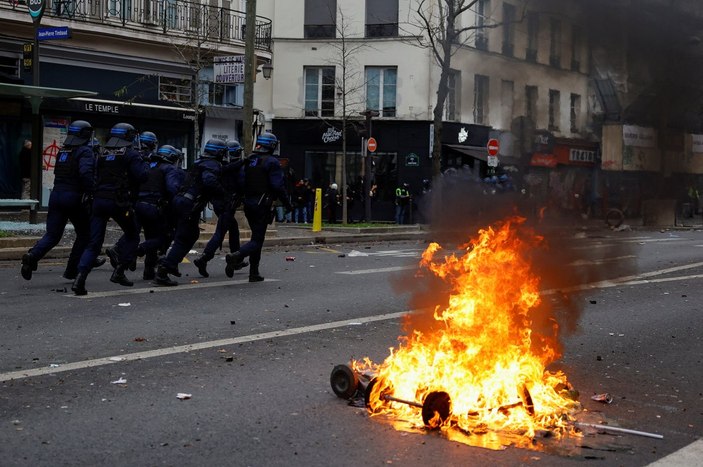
{"type": "Point", "coordinates": [148, 139]}
{"type": "Point", "coordinates": [266, 142]}
{"type": "Point", "coordinates": [168, 153]}
{"type": "Point", "coordinates": [121, 135]}
{"type": "Point", "coordinates": [234, 149]}
{"type": "Point", "coordinates": [215, 149]}
{"type": "Point", "coordinates": [79, 133]}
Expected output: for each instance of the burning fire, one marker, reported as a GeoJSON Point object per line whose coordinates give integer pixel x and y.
{"type": "Point", "coordinates": [482, 368]}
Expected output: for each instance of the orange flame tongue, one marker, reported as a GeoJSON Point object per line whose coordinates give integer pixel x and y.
{"type": "Point", "coordinates": [483, 352]}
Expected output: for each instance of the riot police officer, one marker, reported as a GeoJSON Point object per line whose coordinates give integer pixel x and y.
{"type": "Point", "coordinates": [202, 184]}
{"type": "Point", "coordinates": [119, 166]}
{"type": "Point", "coordinates": [153, 201]}
{"type": "Point", "coordinates": [261, 180]}
{"type": "Point", "coordinates": [148, 142]}
{"type": "Point", "coordinates": [225, 210]}
{"type": "Point", "coordinates": [73, 186]}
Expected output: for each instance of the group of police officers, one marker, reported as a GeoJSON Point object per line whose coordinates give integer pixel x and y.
{"type": "Point", "coordinates": [142, 187]}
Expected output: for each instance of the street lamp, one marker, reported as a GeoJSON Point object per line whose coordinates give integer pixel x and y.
{"type": "Point", "coordinates": [266, 70]}
{"type": "Point", "coordinates": [369, 114]}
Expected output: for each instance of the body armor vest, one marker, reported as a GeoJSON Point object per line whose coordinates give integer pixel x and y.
{"type": "Point", "coordinates": [256, 179]}
{"type": "Point", "coordinates": [113, 176]}
{"type": "Point", "coordinates": [155, 185]}
{"type": "Point", "coordinates": [66, 169]}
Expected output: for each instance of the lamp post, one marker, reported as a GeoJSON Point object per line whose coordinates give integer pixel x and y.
{"type": "Point", "coordinates": [368, 114]}
{"type": "Point", "coordinates": [249, 70]}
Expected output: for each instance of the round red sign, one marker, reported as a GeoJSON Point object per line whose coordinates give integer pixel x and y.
{"type": "Point", "coordinates": [372, 145]}
{"type": "Point", "coordinates": [493, 147]}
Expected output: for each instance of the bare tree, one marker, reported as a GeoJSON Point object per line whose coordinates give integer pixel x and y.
{"type": "Point", "coordinates": [439, 20]}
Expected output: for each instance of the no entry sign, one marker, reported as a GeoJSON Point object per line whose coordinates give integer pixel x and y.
{"type": "Point", "coordinates": [372, 145]}
{"type": "Point", "coordinates": [493, 147]}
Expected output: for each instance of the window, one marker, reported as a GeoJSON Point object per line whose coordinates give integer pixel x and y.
{"type": "Point", "coordinates": [9, 67]}
{"type": "Point", "coordinates": [176, 90]}
{"type": "Point", "coordinates": [381, 90]}
{"type": "Point", "coordinates": [319, 91]}
{"type": "Point", "coordinates": [554, 109]}
{"type": "Point", "coordinates": [532, 37]}
{"type": "Point", "coordinates": [453, 97]}
{"type": "Point", "coordinates": [506, 103]}
{"type": "Point", "coordinates": [575, 112]}
{"type": "Point", "coordinates": [381, 18]}
{"type": "Point", "coordinates": [223, 94]}
{"type": "Point", "coordinates": [555, 42]}
{"type": "Point", "coordinates": [576, 49]}
{"type": "Point", "coordinates": [320, 18]}
{"type": "Point", "coordinates": [531, 103]}
{"type": "Point", "coordinates": [481, 22]}
{"type": "Point", "coordinates": [120, 9]}
{"type": "Point", "coordinates": [508, 29]}
{"type": "Point", "coordinates": [481, 99]}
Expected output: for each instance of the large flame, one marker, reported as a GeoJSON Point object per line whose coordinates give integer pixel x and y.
{"type": "Point", "coordinates": [483, 351]}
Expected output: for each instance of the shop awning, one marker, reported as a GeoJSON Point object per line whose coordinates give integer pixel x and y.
{"type": "Point", "coordinates": [36, 93]}
{"type": "Point", "coordinates": [477, 152]}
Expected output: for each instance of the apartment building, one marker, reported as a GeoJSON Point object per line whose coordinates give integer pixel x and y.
{"type": "Point", "coordinates": [149, 63]}
{"type": "Point", "coordinates": [520, 75]}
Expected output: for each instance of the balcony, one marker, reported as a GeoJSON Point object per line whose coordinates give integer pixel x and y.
{"type": "Point", "coordinates": [169, 17]}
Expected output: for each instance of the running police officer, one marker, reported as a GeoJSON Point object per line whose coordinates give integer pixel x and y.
{"type": "Point", "coordinates": [69, 200]}
{"type": "Point", "coordinates": [153, 201]}
{"type": "Point", "coordinates": [225, 210]}
{"type": "Point", "coordinates": [202, 185]}
{"type": "Point", "coordinates": [262, 180]}
{"type": "Point", "coordinates": [119, 166]}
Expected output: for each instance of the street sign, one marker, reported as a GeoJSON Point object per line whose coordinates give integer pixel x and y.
{"type": "Point", "coordinates": [412, 160]}
{"type": "Point", "coordinates": [493, 147]}
{"type": "Point", "coordinates": [492, 161]}
{"type": "Point", "coordinates": [47, 34]}
{"type": "Point", "coordinates": [372, 145]}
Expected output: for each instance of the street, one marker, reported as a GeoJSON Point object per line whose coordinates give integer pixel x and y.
{"type": "Point", "coordinates": [94, 380]}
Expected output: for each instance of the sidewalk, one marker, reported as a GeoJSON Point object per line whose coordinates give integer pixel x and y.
{"type": "Point", "coordinates": [278, 235]}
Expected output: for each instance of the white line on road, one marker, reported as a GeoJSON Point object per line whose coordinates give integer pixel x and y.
{"type": "Point", "coordinates": [684, 457]}
{"type": "Point", "coordinates": [14, 375]}
{"type": "Point", "coordinates": [585, 262]}
{"type": "Point", "coordinates": [372, 271]}
{"type": "Point", "coordinates": [626, 280]}
{"type": "Point", "coordinates": [159, 289]}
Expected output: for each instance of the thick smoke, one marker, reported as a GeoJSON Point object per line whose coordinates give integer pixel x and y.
{"type": "Point", "coordinates": [460, 204]}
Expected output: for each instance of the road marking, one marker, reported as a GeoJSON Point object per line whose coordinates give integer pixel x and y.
{"type": "Point", "coordinates": [160, 289]}
{"type": "Point", "coordinates": [21, 374]}
{"type": "Point", "coordinates": [684, 457]}
{"type": "Point", "coordinates": [626, 280]}
{"type": "Point", "coordinates": [373, 271]}
{"type": "Point", "coordinates": [585, 262]}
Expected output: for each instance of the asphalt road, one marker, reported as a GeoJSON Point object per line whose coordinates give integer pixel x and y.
{"type": "Point", "coordinates": [256, 359]}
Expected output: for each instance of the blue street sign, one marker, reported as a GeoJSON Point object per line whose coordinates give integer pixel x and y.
{"type": "Point", "coordinates": [48, 34]}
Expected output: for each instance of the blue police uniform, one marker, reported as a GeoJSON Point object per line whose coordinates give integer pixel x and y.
{"type": "Point", "coordinates": [261, 181]}
{"type": "Point", "coordinates": [202, 185]}
{"type": "Point", "coordinates": [73, 184]}
{"type": "Point", "coordinates": [118, 167]}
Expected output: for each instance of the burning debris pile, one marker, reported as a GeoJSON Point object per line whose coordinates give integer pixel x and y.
{"type": "Point", "coordinates": [481, 367]}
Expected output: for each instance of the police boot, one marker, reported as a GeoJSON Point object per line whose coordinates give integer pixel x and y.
{"type": "Point", "coordinates": [162, 277]}
{"type": "Point", "coordinates": [201, 263]}
{"type": "Point", "coordinates": [78, 286]}
{"type": "Point", "coordinates": [118, 277]}
{"type": "Point", "coordinates": [29, 264]}
{"type": "Point", "coordinates": [114, 257]}
{"type": "Point", "coordinates": [99, 261]}
{"type": "Point", "coordinates": [235, 262]}
{"type": "Point", "coordinates": [254, 275]}
{"type": "Point", "coordinates": [70, 273]}
{"type": "Point", "coordinates": [170, 270]}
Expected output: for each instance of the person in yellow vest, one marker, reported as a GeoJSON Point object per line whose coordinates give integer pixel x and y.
{"type": "Point", "coordinates": [402, 201]}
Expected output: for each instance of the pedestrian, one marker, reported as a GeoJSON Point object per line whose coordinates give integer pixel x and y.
{"type": "Point", "coordinates": [25, 157]}
{"type": "Point", "coordinates": [118, 167]}
{"type": "Point", "coordinates": [402, 201]}
{"type": "Point", "coordinates": [69, 201]}
{"type": "Point", "coordinates": [309, 200]}
{"type": "Point", "coordinates": [202, 185]}
{"type": "Point", "coordinates": [154, 199]}
{"type": "Point", "coordinates": [225, 209]}
{"type": "Point", "coordinates": [300, 194]}
{"type": "Point", "coordinates": [261, 180]}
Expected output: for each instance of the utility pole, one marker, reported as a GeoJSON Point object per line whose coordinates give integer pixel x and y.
{"type": "Point", "coordinates": [369, 114]}
{"type": "Point", "coordinates": [249, 71]}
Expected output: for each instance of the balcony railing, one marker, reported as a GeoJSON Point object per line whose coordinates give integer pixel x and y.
{"type": "Point", "coordinates": [174, 17]}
